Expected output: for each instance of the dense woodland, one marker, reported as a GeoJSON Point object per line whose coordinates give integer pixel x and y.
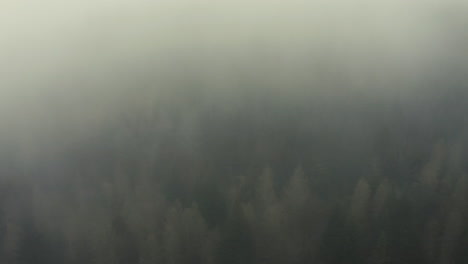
{"type": "Point", "coordinates": [262, 181]}
{"type": "Point", "coordinates": [233, 132]}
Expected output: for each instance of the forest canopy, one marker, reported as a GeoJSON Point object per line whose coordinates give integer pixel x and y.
{"type": "Point", "coordinates": [229, 131]}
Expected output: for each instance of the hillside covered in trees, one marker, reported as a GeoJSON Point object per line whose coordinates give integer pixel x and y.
{"type": "Point", "coordinates": [258, 184]}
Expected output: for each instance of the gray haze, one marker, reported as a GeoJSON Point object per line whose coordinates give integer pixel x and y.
{"type": "Point", "coordinates": [68, 66]}
{"type": "Point", "coordinates": [233, 131]}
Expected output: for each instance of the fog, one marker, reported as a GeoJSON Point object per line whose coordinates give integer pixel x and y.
{"type": "Point", "coordinates": [75, 61]}
{"type": "Point", "coordinates": [239, 126]}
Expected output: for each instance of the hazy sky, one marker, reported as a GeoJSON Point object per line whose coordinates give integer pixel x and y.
{"type": "Point", "coordinates": [69, 64]}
